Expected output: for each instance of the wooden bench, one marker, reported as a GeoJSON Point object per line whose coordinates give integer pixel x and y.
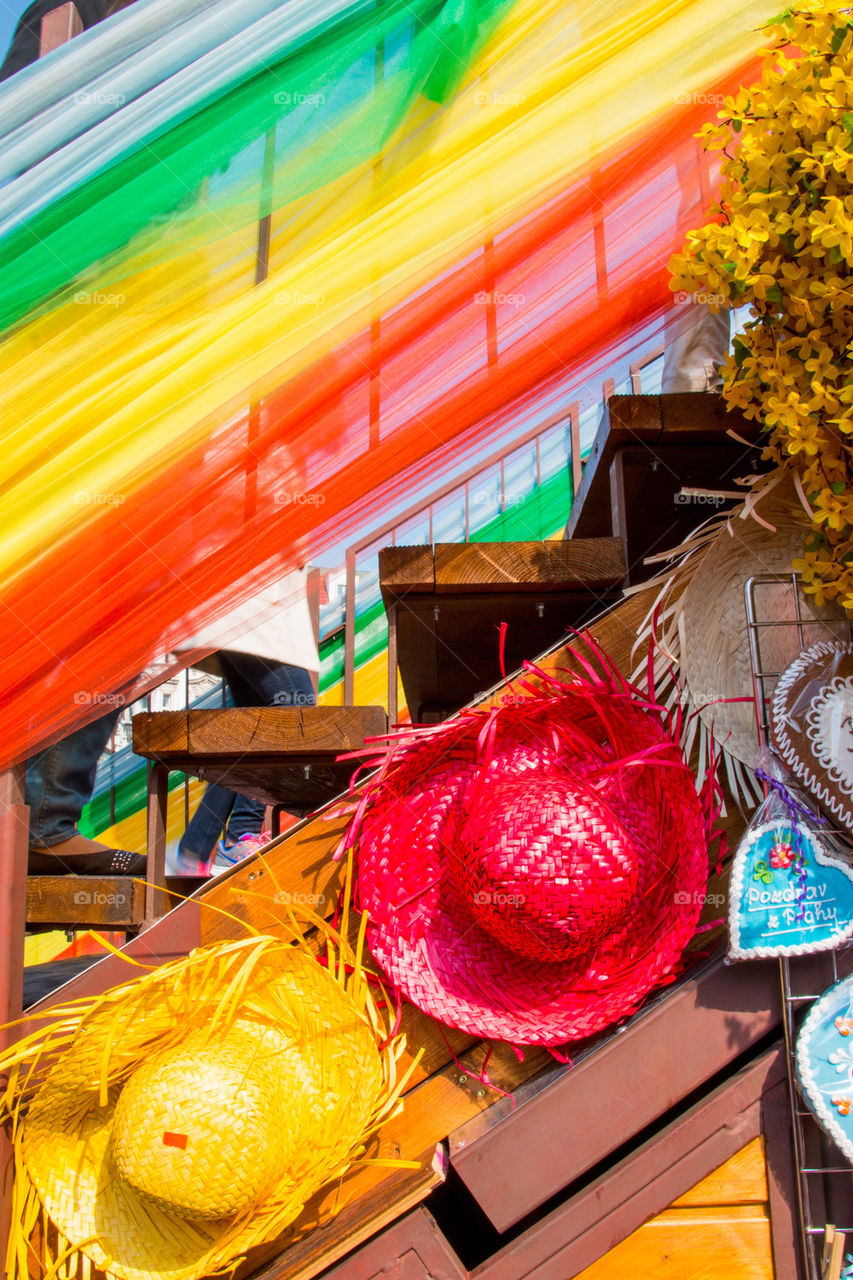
{"type": "Point", "coordinates": [656, 469]}
{"type": "Point", "coordinates": [445, 605]}
{"type": "Point", "coordinates": [281, 756]}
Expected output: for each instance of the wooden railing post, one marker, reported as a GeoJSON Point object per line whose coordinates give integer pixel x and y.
{"type": "Point", "coordinates": [14, 846]}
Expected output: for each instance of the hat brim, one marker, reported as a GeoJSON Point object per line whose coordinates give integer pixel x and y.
{"type": "Point", "coordinates": [66, 1134]}
{"type": "Point", "coordinates": [423, 933]}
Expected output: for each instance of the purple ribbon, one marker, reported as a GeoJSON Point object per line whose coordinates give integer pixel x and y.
{"type": "Point", "coordinates": [795, 811]}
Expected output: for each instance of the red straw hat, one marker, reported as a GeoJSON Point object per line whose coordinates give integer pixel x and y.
{"type": "Point", "coordinates": [531, 871]}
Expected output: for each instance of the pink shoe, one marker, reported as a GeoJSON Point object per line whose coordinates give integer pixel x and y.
{"type": "Point", "coordinates": [229, 855]}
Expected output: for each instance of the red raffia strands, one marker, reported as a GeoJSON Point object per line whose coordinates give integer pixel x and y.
{"type": "Point", "coordinates": [531, 871]}
{"type": "Point", "coordinates": [313, 464]}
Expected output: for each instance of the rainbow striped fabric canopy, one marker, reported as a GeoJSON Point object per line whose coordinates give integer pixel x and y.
{"type": "Point", "coordinates": [268, 265]}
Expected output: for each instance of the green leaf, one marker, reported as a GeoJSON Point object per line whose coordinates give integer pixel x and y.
{"type": "Point", "coordinates": [737, 125]}
{"type": "Point", "coordinates": [740, 351]}
{"type": "Point", "coordinates": [774, 293]}
{"type": "Point", "coordinates": [847, 121]}
{"type": "Point", "coordinates": [781, 17]}
{"type": "Point", "coordinates": [838, 34]}
{"type": "Point", "coordinates": [837, 487]}
{"type": "Point", "coordinates": [730, 267]}
{"type": "Point", "coordinates": [789, 242]}
{"type": "Point", "coordinates": [835, 255]}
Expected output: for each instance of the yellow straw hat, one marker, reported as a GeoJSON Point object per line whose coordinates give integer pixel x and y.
{"type": "Point", "coordinates": [167, 1127]}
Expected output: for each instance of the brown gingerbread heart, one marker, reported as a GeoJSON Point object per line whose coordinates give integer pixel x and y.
{"type": "Point", "coordinates": [812, 725]}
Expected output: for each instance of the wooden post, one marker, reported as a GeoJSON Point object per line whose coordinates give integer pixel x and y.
{"type": "Point", "coordinates": [158, 799]}
{"type": "Point", "coordinates": [14, 846]}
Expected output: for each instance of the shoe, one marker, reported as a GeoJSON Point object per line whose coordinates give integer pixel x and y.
{"type": "Point", "coordinates": [190, 864]}
{"type": "Point", "coordinates": [82, 857]}
{"type": "Point", "coordinates": [228, 855]}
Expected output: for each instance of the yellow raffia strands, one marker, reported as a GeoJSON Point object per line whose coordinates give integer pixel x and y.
{"type": "Point", "coordinates": [63, 1082]}
{"type": "Point", "coordinates": [118, 391]}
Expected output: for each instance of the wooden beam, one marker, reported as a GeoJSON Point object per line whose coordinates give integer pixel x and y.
{"type": "Point", "coordinates": [106, 902]}
{"type": "Point", "coordinates": [627, 1083]}
{"type": "Point", "coordinates": [644, 1183]}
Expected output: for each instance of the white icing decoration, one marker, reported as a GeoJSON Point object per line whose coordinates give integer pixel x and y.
{"type": "Point", "coordinates": [817, 785]}
{"type": "Point", "coordinates": [830, 733]}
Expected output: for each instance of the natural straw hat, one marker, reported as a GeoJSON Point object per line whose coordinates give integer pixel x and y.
{"type": "Point", "coordinates": [532, 871]}
{"type": "Point", "coordinates": [700, 622]}
{"type": "Point", "coordinates": [167, 1127]}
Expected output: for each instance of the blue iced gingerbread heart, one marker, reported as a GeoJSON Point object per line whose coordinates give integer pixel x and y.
{"type": "Point", "coordinates": [773, 910]}
{"type": "Point", "coordinates": [825, 1063]}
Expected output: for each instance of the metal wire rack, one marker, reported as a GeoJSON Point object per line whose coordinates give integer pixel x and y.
{"type": "Point", "coordinates": [824, 1181]}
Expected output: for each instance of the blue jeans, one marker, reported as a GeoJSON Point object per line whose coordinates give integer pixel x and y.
{"type": "Point", "coordinates": [60, 780]}
{"type": "Point", "coordinates": [254, 682]}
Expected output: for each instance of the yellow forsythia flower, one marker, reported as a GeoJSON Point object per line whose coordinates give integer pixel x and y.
{"type": "Point", "coordinates": [782, 242]}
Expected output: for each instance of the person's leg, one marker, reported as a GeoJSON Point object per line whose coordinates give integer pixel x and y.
{"type": "Point", "coordinates": [60, 781]}
{"type": "Point", "coordinates": [256, 682]}
{"type": "Point", "coordinates": [207, 823]}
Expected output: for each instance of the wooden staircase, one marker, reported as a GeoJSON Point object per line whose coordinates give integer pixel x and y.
{"type": "Point", "coordinates": [553, 1176]}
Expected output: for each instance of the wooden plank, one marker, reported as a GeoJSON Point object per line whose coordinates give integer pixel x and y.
{"type": "Point", "coordinates": [626, 1193]}
{"type": "Point", "coordinates": [415, 1241]}
{"type": "Point", "coordinates": [160, 733]}
{"type": "Point", "coordinates": [741, 1180]}
{"type": "Point", "coordinates": [704, 1244]}
{"type": "Point", "coordinates": [781, 1182]}
{"type": "Point", "coordinates": [627, 1083]}
{"type": "Point", "coordinates": [553, 566]}
{"type": "Point", "coordinates": [658, 427]}
{"type": "Point", "coordinates": [312, 731]}
{"type": "Point", "coordinates": [106, 901]}
{"type": "Point", "coordinates": [404, 569]}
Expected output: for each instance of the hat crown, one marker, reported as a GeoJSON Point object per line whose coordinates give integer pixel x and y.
{"type": "Point", "coordinates": [199, 1130]}
{"type": "Point", "coordinates": [544, 865]}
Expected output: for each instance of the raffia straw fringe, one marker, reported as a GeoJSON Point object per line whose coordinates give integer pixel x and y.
{"type": "Point", "coordinates": [773, 506]}
{"type": "Point", "coordinates": [58, 1074]}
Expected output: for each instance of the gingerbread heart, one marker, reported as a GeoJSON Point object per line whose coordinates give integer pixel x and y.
{"type": "Point", "coordinates": [825, 1063]}
{"type": "Point", "coordinates": [776, 911]}
{"type": "Point", "coordinates": [812, 725]}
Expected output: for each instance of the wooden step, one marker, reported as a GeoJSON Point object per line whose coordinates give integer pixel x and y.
{"type": "Point", "coordinates": [446, 604]}
{"type": "Point", "coordinates": [86, 902]}
{"type": "Point", "coordinates": [651, 450]}
{"type": "Point", "coordinates": [278, 755]}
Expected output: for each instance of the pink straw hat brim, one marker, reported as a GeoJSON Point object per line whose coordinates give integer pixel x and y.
{"type": "Point", "coordinates": [422, 931]}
